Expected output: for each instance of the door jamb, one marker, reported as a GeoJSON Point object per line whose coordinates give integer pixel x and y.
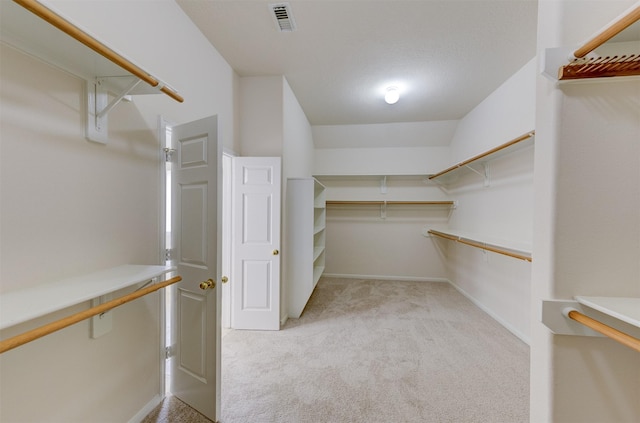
{"type": "Point", "coordinates": [163, 126]}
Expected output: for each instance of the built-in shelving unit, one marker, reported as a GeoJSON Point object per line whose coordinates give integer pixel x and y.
{"type": "Point", "coordinates": [306, 218]}
{"type": "Point", "coordinates": [31, 27]}
{"type": "Point", "coordinates": [513, 249]}
{"type": "Point", "coordinates": [477, 164]}
{"type": "Point", "coordinates": [38, 300]}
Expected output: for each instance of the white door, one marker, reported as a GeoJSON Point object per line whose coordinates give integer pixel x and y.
{"type": "Point", "coordinates": [255, 281]}
{"type": "Point", "coordinates": [195, 371]}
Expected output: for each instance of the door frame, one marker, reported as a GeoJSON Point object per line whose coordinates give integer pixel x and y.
{"type": "Point", "coordinates": [227, 236]}
{"type": "Point", "coordinates": [163, 126]}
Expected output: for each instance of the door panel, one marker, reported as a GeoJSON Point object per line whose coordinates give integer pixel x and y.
{"type": "Point", "coordinates": [192, 310]}
{"type": "Point", "coordinates": [256, 285]}
{"type": "Point", "coordinates": [193, 224]}
{"type": "Point", "coordinates": [255, 293]}
{"type": "Point", "coordinates": [195, 370]}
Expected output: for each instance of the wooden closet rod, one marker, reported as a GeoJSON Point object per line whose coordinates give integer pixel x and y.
{"type": "Point", "coordinates": [485, 154]}
{"type": "Point", "coordinates": [481, 245]}
{"type": "Point", "coordinates": [494, 249]}
{"type": "Point", "coordinates": [67, 27]}
{"type": "Point", "coordinates": [377, 203]}
{"type": "Point", "coordinates": [614, 28]}
{"type": "Point", "coordinates": [615, 334]}
{"type": "Point", "coordinates": [16, 341]}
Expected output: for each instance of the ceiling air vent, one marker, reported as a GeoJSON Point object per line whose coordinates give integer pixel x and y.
{"type": "Point", "coordinates": [283, 16]}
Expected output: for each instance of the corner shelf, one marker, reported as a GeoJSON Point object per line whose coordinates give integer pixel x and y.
{"type": "Point", "coordinates": [452, 173]}
{"type": "Point", "coordinates": [26, 304]}
{"type": "Point", "coordinates": [33, 28]}
{"type": "Point", "coordinates": [512, 249]}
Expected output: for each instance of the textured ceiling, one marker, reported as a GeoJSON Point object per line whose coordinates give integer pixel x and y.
{"type": "Point", "coordinates": [446, 56]}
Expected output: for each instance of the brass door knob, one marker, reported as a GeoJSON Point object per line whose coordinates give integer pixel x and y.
{"type": "Point", "coordinates": [224, 279]}
{"type": "Point", "coordinates": [276, 252]}
{"type": "Point", "coordinates": [208, 284]}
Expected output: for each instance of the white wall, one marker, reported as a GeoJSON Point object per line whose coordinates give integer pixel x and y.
{"type": "Point", "coordinates": [586, 225]}
{"type": "Point", "coordinates": [297, 151]}
{"type": "Point", "coordinates": [503, 209]}
{"type": "Point", "coordinates": [403, 134]}
{"type": "Point", "coordinates": [422, 148]}
{"type": "Point", "coordinates": [71, 207]}
{"type": "Point", "coordinates": [361, 243]}
{"type": "Point", "coordinates": [380, 161]}
{"type": "Point", "coordinates": [261, 116]}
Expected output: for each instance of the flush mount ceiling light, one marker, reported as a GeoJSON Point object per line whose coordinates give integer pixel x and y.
{"type": "Point", "coordinates": [392, 95]}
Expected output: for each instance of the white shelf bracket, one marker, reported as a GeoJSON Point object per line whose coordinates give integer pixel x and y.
{"type": "Point", "coordinates": [383, 185]}
{"type": "Point", "coordinates": [487, 174]}
{"type": "Point", "coordinates": [553, 316]}
{"type": "Point", "coordinates": [452, 208]}
{"type": "Point", "coordinates": [98, 108]}
{"type": "Point", "coordinates": [383, 210]}
{"type": "Point", "coordinates": [484, 173]}
{"type": "Point", "coordinates": [102, 323]}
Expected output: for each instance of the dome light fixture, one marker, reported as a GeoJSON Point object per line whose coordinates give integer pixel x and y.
{"type": "Point", "coordinates": [392, 95]}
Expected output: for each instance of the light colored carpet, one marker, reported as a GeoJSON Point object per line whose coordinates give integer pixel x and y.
{"type": "Point", "coordinates": [378, 351]}
{"type": "Point", "coordinates": [172, 410]}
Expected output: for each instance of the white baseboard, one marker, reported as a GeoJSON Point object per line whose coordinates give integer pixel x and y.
{"type": "Point", "coordinates": [494, 316]}
{"type": "Point", "coordinates": [384, 278]}
{"type": "Point", "coordinates": [148, 408]}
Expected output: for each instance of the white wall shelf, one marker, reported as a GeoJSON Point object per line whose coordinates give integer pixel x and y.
{"type": "Point", "coordinates": [478, 163]}
{"type": "Point", "coordinates": [30, 26]}
{"type": "Point", "coordinates": [390, 203]}
{"type": "Point", "coordinates": [373, 177]}
{"type": "Point", "coordinates": [26, 304]}
{"type": "Point", "coordinates": [513, 249]}
{"type": "Point", "coordinates": [626, 309]}
{"type": "Point", "coordinates": [384, 204]}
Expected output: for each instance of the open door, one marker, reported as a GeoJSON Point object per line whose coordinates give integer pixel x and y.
{"type": "Point", "coordinates": [196, 229]}
{"type": "Point", "coordinates": [255, 281]}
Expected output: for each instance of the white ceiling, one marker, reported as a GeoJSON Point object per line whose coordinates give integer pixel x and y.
{"type": "Point", "coordinates": [445, 55]}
